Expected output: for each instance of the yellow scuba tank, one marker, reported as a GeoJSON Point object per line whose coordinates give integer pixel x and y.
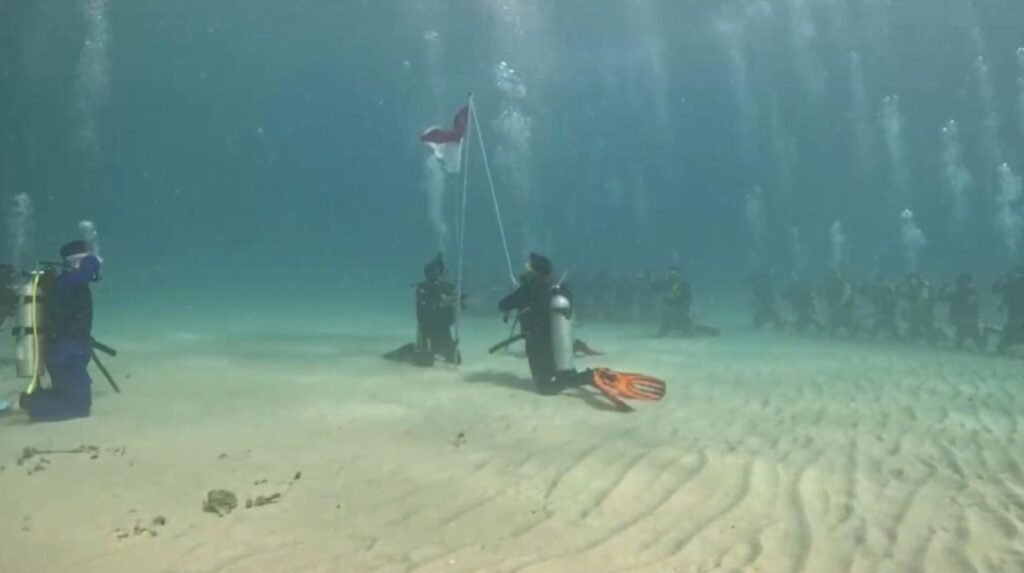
{"type": "Point", "coordinates": [29, 342]}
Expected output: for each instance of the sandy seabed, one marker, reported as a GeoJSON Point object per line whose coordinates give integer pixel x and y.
{"type": "Point", "coordinates": [770, 454]}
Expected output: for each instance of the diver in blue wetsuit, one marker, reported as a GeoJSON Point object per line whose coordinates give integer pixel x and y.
{"type": "Point", "coordinates": [68, 329]}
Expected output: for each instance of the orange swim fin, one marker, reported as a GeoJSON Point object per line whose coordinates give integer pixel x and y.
{"type": "Point", "coordinates": [621, 386]}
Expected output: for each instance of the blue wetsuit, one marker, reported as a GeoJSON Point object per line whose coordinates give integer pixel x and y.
{"type": "Point", "coordinates": [68, 349]}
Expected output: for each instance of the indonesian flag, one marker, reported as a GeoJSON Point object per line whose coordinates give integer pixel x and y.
{"type": "Point", "coordinates": [447, 143]}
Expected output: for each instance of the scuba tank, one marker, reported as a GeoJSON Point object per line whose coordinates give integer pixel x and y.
{"type": "Point", "coordinates": [28, 326]}
{"type": "Point", "coordinates": [561, 332]}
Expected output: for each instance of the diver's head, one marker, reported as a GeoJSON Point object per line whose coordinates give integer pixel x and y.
{"type": "Point", "coordinates": [74, 252]}
{"type": "Point", "coordinates": [673, 272]}
{"type": "Point", "coordinates": [539, 264]}
{"type": "Point", "coordinates": [435, 268]}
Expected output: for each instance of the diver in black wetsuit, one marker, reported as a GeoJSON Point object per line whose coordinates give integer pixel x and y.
{"type": "Point", "coordinates": [677, 309]}
{"type": "Point", "coordinates": [549, 353]}
{"type": "Point", "coordinates": [435, 316]}
{"type": "Point", "coordinates": [1010, 287]}
{"type": "Point", "coordinates": [8, 294]}
{"type": "Point", "coordinates": [965, 311]}
{"type": "Point", "coordinates": [841, 301]}
{"type": "Point", "coordinates": [804, 302]}
{"type": "Point", "coordinates": [766, 301]}
{"type": "Point", "coordinates": [68, 326]}
{"type": "Point", "coordinates": [884, 299]}
{"type": "Point", "coordinates": [920, 310]}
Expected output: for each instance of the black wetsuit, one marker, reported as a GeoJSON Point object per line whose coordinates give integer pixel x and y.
{"type": "Point", "coordinates": [766, 304]}
{"type": "Point", "coordinates": [532, 300]}
{"type": "Point", "coordinates": [920, 312]}
{"type": "Point", "coordinates": [8, 293]}
{"type": "Point", "coordinates": [435, 315]}
{"type": "Point", "coordinates": [841, 303]}
{"type": "Point", "coordinates": [68, 322]}
{"type": "Point", "coordinates": [1011, 288]}
{"type": "Point", "coordinates": [965, 314]}
{"type": "Point", "coordinates": [804, 302]}
{"type": "Point", "coordinates": [885, 301]}
{"type": "Point", "coordinates": [677, 313]}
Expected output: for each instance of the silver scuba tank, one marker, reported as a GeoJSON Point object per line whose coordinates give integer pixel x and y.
{"type": "Point", "coordinates": [561, 332]}
{"type": "Point", "coordinates": [28, 316]}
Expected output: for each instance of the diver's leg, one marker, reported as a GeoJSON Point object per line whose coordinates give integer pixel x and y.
{"type": "Point", "coordinates": [70, 395]}
{"type": "Point", "coordinates": [804, 323]}
{"type": "Point", "coordinates": [1015, 335]}
{"type": "Point", "coordinates": [780, 323]}
{"type": "Point", "coordinates": [980, 337]}
{"type": "Point", "coordinates": [443, 344]}
{"type": "Point", "coordinates": [570, 379]}
{"type": "Point", "coordinates": [705, 330]}
{"type": "Point", "coordinates": [962, 334]}
{"type": "Point", "coordinates": [541, 358]}
{"type": "Point", "coordinates": [1006, 337]}
{"type": "Point", "coordinates": [666, 325]}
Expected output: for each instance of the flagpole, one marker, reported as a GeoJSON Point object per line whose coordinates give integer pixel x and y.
{"type": "Point", "coordinates": [494, 193]}
{"type": "Point", "coordinates": [462, 226]}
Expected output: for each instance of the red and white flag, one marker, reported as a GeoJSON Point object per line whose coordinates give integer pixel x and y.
{"type": "Point", "coordinates": [447, 143]}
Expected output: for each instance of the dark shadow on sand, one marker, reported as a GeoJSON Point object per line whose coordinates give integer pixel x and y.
{"type": "Point", "coordinates": [503, 379]}
{"type": "Point", "coordinates": [514, 382]}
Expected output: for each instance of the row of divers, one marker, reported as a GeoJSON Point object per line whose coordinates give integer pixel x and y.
{"type": "Point", "coordinates": [542, 310]}
{"type": "Point", "coordinates": [907, 311]}
{"type": "Point", "coordinates": [911, 310]}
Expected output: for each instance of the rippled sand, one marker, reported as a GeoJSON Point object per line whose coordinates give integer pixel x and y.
{"type": "Point", "coordinates": [770, 454]}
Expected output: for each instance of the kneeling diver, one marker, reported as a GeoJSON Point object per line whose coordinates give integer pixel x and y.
{"type": "Point", "coordinates": [435, 315]}
{"type": "Point", "coordinates": [69, 344]}
{"type": "Point", "coordinates": [545, 315]}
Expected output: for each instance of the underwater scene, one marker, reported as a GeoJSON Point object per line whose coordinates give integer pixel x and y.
{"type": "Point", "coordinates": [512, 286]}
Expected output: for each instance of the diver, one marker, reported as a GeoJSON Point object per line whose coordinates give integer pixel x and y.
{"type": "Point", "coordinates": [884, 300]}
{"type": "Point", "coordinates": [841, 301]}
{"type": "Point", "coordinates": [920, 313]}
{"type": "Point", "coordinates": [648, 298]}
{"type": "Point", "coordinates": [8, 292]}
{"type": "Point", "coordinates": [766, 301]}
{"type": "Point", "coordinates": [965, 311]}
{"type": "Point", "coordinates": [435, 316]}
{"type": "Point", "coordinates": [544, 312]}
{"type": "Point", "coordinates": [532, 300]}
{"type": "Point", "coordinates": [67, 325]}
{"type": "Point", "coordinates": [677, 309]}
{"type": "Point", "coordinates": [1010, 287]}
{"type": "Point", "coordinates": [804, 302]}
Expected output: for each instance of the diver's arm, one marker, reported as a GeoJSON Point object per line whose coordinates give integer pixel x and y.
{"type": "Point", "coordinates": [87, 269]}
{"type": "Point", "coordinates": [519, 299]}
